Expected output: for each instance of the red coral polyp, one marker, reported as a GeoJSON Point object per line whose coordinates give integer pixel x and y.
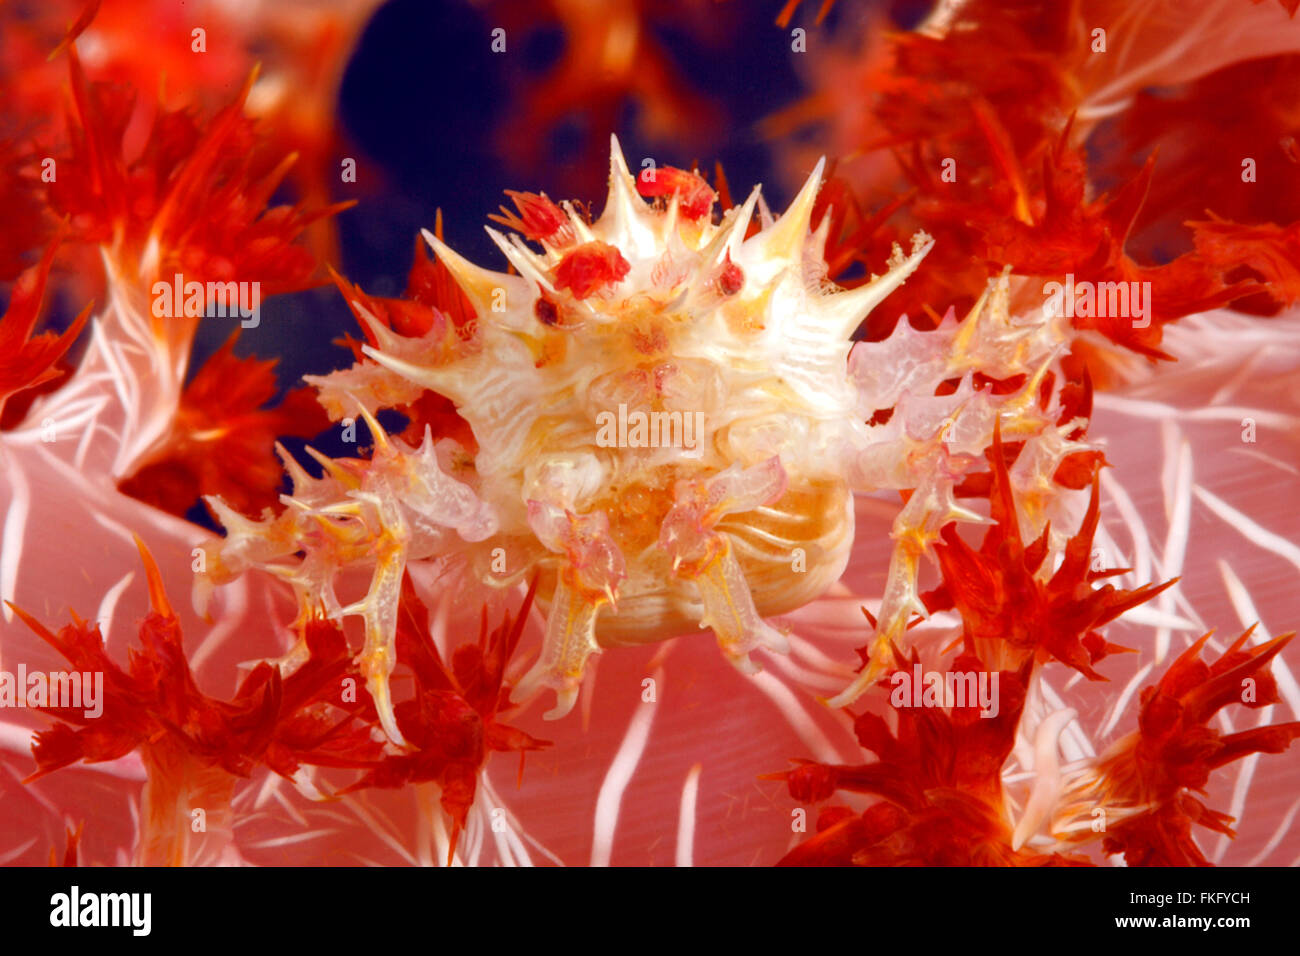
{"type": "Point", "coordinates": [156, 698]}
{"type": "Point", "coordinates": [693, 193]}
{"type": "Point", "coordinates": [590, 268]}
{"type": "Point", "coordinates": [1002, 598]}
{"type": "Point", "coordinates": [939, 779]}
{"type": "Point", "coordinates": [451, 721]}
{"type": "Point", "coordinates": [28, 361]}
{"type": "Point", "coordinates": [222, 438]}
{"type": "Point", "coordinates": [1175, 750]}
{"type": "Point", "coordinates": [157, 206]}
{"type": "Point", "coordinates": [539, 219]}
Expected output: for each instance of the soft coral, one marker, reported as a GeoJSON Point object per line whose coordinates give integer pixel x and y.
{"type": "Point", "coordinates": [1174, 751]}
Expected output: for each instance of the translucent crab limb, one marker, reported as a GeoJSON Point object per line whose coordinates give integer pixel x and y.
{"type": "Point", "coordinates": [589, 579]}
{"type": "Point", "coordinates": [595, 563]}
{"type": "Point", "coordinates": [434, 499]}
{"type": "Point", "coordinates": [915, 529]}
{"type": "Point", "coordinates": [705, 556]}
{"type": "Point", "coordinates": [397, 507]}
{"type": "Point", "coordinates": [379, 611]}
{"type": "Point", "coordinates": [729, 610]}
{"type": "Point", "coordinates": [687, 530]}
{"type": "Point", "coordinates": [570, 639]}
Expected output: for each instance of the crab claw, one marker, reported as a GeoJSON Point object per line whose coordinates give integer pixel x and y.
{"type": "Point", "coordinates": [593, 558]}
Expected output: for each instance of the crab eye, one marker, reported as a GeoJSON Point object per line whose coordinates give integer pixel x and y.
{"type": "Point", "coordinates": [547, 312]}
{"type": "Point", "coordinates": [731, 278]}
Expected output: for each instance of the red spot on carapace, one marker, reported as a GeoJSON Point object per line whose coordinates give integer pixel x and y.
{"type": "Point", "coordinates": [547, 312]}
{"type": "Point", "coordinates": [731, 278]}
{"type": "Point", "coordinates": [589, 267]}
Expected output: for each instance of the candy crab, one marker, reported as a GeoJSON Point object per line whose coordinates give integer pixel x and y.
{"type": "Point", "coordinates": [656, 309]}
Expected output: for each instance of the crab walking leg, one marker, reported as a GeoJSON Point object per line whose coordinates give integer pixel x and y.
{"type": "Point", "coordinates": [900, 601]}
{"type": "Point", "coordinates": [570, 640]}
{"type": "Point", "coordinates": [729, 610]}
{"type": "Point", "coordinates": [380, 653]}
{"type": "Point", "coordinates": [378, 610]}
{"type": "Point", "coordinates": [915, 530]}
{"type": "Point", "coordinates": [705, 556]}
{"type": "Point", "coordinates": [588, 580]}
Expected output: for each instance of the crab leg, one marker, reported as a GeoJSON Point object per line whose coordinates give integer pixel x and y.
{"type": "Point", "coordinates": [729, 610]}
{"type": "Point", "coordinates": [705, 556]}
{"type": "Point", "coordinates": [570, 640]}
{"type": "Point", "coordinates": [588, 580]}
{"type": "Point", "coordinates": [380, 652]}
{"type": "Point", "coordinates": [378, 609]}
